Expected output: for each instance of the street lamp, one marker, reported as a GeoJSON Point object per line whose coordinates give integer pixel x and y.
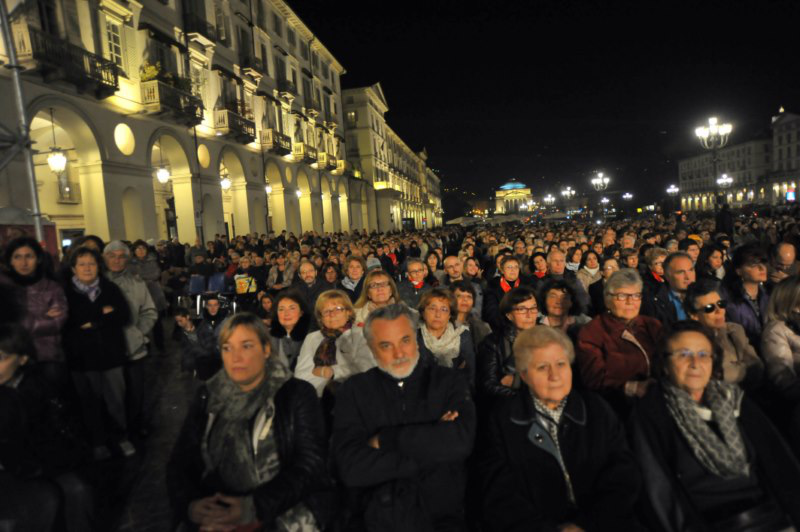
{"type": "Point", "coordinates": [299, 193]}
{"type": "Point", "coordinates": [712, 138]}
{"type": "Point", "coordinates": [672, 190]}
{"type": "Point", "coordinates": [549, 199]}
{"type": "Point", "coordinates": [600, 181]}
{"type": "Point", "coordinates": [627, 196]}
{"type": "Point", "coordinates": [604, 201]}
{"type": "Point", "coordinates": [268, 189]}
{"type": "Point", "coordinates": [725, 181]}
{"type": "Point", "coordinates": [225, 183]}
{"type": "Point", "coordinates": [568, 192]}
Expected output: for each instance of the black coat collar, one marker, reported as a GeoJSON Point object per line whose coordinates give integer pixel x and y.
{"type": "Point", "coordinates": [299, 332]}
{"type": "Point", "coordinates": [524, 413]}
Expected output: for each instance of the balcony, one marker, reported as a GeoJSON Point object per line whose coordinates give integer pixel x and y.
{"type": "Point", "coordinates": [326, 161]}
{"type": "Point", "coordinates": [198, 29]}
{"type": "Point", "coordinates": [160, 98]}
{"type": "Point", "coordinates": [276, 142]}
{"type": "Point", "coordinates": [252, 66]}
{"type": "Point", "coordinates": [287, 88]}
{"type": "Point", "coordinates": [313, 107]}
{"type": "Point", "coordinates": [233, 125]}
{"type": "Point", "coordinates": [331, 120]}
{"type": "Point", "coordinates": [304, 152]}
{"type": "Point", "coordinates": [59, 60]}
{"type": "Point", "coordinates": [311, 154]}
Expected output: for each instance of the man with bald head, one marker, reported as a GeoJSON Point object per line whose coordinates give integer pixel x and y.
{"type": "Point", "coordinates": [782, 264]}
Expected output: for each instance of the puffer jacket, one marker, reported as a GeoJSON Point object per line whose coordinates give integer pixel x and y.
{"type": "Point", "coordinates": [353, 356]}
{"type": "Point", "coordinates": [302, 450]}
{"type": "Point", "coordinates": [143, 312]}
{"type": "Point", "coordinates": [37, 298]}
{"type": "Point", "coordinates": [150, 273]}
{"type": "Point", "coordinates": [780, 347]}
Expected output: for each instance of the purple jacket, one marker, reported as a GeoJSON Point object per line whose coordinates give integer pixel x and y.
{"type": "Point", "coordinates": [38, 298]}
{"type": "Point", "coordinates": [742, 311]}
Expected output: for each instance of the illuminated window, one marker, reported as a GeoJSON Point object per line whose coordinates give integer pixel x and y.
{"type": "Point", "coordinates": [113, 36]}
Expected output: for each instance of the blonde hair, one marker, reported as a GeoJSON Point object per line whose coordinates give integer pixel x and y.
{"type": "Point", "coordinates": [333, 295]}
{"type": "Point", "coordinates": [784, 299]}
{"type": "Point", "coordinates": [531, 339]}
{"type": "Point", "coordinates": [243, 319]}
{"type": "Point", "coordinates": [363, 298]}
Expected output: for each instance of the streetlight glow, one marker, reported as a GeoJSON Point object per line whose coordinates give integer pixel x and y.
{"type": "Point", "coordinates": [672, 190]}
{"type": "Point", "coordinates": [299, 193]}
{"type": "Point", "coordinates": [162, 174]}
{"type": "Point", "coordinates": [725, 181]}
{"type": "Point", "coordinates": [57, 161]}
{"type": "Point", "coordinates": [600, 181]}
{"type": "Point", "coordinates": [568, 192]}
{"type": "Point", "coordinates": [627, 196]}
{"type": "Point", "coordinates": [225, 183]}
{"type": "Point", "coordinates": [268, 189]}
{"type": "Point", "coordinates": [549, 199]}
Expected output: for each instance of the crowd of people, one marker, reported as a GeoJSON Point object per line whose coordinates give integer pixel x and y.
{"type": "Point", "coordinates": [636, 375]}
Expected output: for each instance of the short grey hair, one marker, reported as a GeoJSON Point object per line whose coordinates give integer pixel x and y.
{"type": "Point", "coordinates": [537, 337]}
{"type": "Point", "coordinates": [117, 245]}
{"type": "Point", "coordinates": [624, 277]}
{"type": "Point", "coordinates": [390, 313]}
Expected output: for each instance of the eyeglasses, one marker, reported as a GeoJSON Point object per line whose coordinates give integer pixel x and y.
{"type": "Point", "coordinates": [441, 310]}
{"type": "Point", "coordinates": [687, 354]}
{"type": "Point", "coordinates": [711, 307]}
{"type": "Point", "coordinates": [331, 311]}
{"type": "Point", "coordinates": [525, 310]}
{"type": "Point", "coordinates": [416, 271]}
{"type": "Point", "coordinates": [621, 296]}
{"type": "Point", "coordinates": [381, 284]}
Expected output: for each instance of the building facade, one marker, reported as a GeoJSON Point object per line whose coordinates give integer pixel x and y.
{"type": "Point", "coordinates": [184, 118]}
{"type": "Point", "coordinates": [512, 197]}
{"type": "Point", "coordinates": [407, 192]}
{"type": "Point", "coordinates": [764, 171]}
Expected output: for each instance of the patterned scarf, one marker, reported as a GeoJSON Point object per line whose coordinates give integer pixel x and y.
{"type": "Point", "coordinates": [447, 347]}
{"type": "Point", "coordinates": [349, 283]}
{"type": "Point", "coordinates": [92, 291]}
{"type": "Point", "coordinates": [326, 351]}
{"type": "Point", "coordinates": [505, 286]}
{"type": "Point", "coordinates": [723, 456]}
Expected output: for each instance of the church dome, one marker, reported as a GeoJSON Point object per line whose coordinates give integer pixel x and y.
{"type": "Point", "coordinates": [513, 185]}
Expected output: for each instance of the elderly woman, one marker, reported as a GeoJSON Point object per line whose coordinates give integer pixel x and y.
{"type": "Point", "coordinates": [496, 370]}
{"type": "Point", "coordinates": [353, 281]}
{"type": "Point", "coordinates": [739, 362]}
{"type": "Point", "coordinates": [44, 306]}
{"type": "Point", "coordinates": [465, 293]}
{"type": "Point", "coordinates": [560, 307]}
{"type": "Point", "coordinates": [379, 291]}
{"type": "Point", "coordinates": [712, 459]}
{"type": "Point", "coordinates": [654, 275]}
{"type": "Point", "coordinates": [616, 349]}
{"type": "Point", "coordinates": [589, 272]}
{"type": "Point", "coordinates": [96, 350]}
{"type": "Point", "coordinates": [338, 350]}
{"type": "Point", "coordinates": [439, 340]}
{"type": "Point", "coordinates": [780, 343]}
{"type": "Point", "coordinates": [555, 458]}
{"type": "Point", "coordinates": [289, 326]}
{"type": "Point", "coordinates": [608, 266]}
{"type": "Point", "coordinates": [252, 451]}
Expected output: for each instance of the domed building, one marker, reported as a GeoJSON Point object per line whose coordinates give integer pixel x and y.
{"type": "Point", "coordinates": [511, 196]}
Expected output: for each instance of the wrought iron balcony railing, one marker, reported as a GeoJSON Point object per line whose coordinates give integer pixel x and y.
{"type": "Point", "coordinates": [276, 142]}
{"type": "Point", "coordinates": [160, 97]}
{"type": "Point", "coordinates": [286, 86]}
{"type": "Point", "coordinates": [234, 125]}
{"type": "Point", "coordinates": [196, 26]}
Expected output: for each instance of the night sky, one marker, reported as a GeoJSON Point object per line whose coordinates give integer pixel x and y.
{"type": "Point", "coordinates": [549, 91]}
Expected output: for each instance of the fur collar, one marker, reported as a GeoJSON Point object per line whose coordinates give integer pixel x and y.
{"type": "Point", "coordinates": [298, 333]}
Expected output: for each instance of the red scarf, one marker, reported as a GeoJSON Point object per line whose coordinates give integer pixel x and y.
{"type": "Point", "coordinates": [417, 286]}
{"type": "Point", "coordinates": [539, 274]}
{"type": "Point", "coordinates": [505, 286]}
{"type": "Point", "coordinates": [657, 277]}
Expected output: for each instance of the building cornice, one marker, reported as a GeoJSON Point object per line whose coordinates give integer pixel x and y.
{"type": "Point", "coordinates": [307, 34]}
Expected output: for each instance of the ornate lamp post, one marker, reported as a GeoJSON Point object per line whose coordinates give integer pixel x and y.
{"type": "Point", "coordinates": [724, 182]}
{"type": "Point", "coordinates": [713, 137]}
{"type": "Point", "coordinates": [549, 200]}
{"type": "Point", "coordinates": [672, 190]}
{"type": "Point", "coordinates": [600, 181]}
{"type": "Point", "coordinates": [627, 196]}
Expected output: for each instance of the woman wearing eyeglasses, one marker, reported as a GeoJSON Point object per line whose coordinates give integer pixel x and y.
{"type": "Point", "coordinates": [338, 350]}
{"type": "Point", "coordinates": [440, 341]}
{"type": "Point", "coordinates": [739, 363]}
{"type": "Point", "coordinates": [712, 459]}
{"type": "Point", "coordinates": [379, 291]}
{"type": "Point", "coordinates": [497, 376]}
{"type": "Point", "coordinates": [616, 348]}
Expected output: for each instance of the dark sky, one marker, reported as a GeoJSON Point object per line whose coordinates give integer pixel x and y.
{"type": "Point", "coordinates": [547, 91]}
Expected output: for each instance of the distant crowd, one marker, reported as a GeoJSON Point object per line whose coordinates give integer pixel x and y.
{"type": "Point", "coordinates": [636, 375]}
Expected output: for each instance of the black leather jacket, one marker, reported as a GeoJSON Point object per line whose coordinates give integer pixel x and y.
{"type": "Point", "coordinates": [495, 360]}
{"type": "Point", "coordinates": [302, 449]}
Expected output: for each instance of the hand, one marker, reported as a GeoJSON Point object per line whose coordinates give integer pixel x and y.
{"type": "Point", "coordinates": [450, 415]}
{"type": "Point", "coordinates": [507, 381]}
{"type": "Point", "coordinates": [777, 276]}
{"type": "Point", "coordinates": [641, 387]}
{"type": "Point", "coordinates": [232, 514]}
{"type": "Point", "coordinates": [87, 325]}
{"type": "Point", "coordinates": [374, 442]}
{"type": "Point", "coordinates": [54, 312]}
{"type": "Point", "coordinates": [570, 527]}
{"type": "Point", "coordinates": [108, 309]}
{"type": "Point", "coordinates": [204, 510]}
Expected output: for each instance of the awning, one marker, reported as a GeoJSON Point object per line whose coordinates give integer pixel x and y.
{"type": "Point", "coordinates": [162, 36]}
{"type": "Point", "coordinates": [227, 73]}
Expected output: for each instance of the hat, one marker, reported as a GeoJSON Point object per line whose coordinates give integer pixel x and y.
{"type": "Point", "coordinates": [373, 264]}
{"type": "Point", "coordinates": [117, 245]}
{"type": "Point", "coordinates": [696, 238]}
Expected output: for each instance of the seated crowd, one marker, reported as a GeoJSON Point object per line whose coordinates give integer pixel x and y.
{"type": "Point", "coordinates": [642, 375]}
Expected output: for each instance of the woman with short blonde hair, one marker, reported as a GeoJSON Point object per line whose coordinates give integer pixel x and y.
{"type": "Point", "coordinates": [379, 290]}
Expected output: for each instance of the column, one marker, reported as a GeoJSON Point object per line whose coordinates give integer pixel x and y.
{"type": "Point", "coordinates": [187, 203]}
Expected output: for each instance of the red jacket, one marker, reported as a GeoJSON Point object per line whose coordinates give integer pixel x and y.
{"type": "Point", "coordinates": [607, 361]}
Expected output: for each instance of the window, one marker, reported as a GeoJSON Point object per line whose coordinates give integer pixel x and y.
{"type": "Point", "coordinates": [113, 35]}
{"type": "Point", "coordinates": [294, 77]}
{"type": "Point", "coordinates": [261, 15]}
{"type": "Point", "coordinates": [324, 70]}
{"type": "Point", "coordinates": [306, 88]}
{"type": "Point", "coordinates": [304, 50]}
{"type": "Point", "coordinates": [352, 118]}
{"type": "Point", "coordinates": [280, 68]}
{"type": "Point", "coordinates": [314, 59]}
{"type": "Point", "coordinates": [265, 59]}
{"type": "Point", "coordinates": [277, 25]}
{"type": "Point", "coordinates": [290, 37]}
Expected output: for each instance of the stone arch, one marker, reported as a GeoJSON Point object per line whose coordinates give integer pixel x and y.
{"type": "Point", "coordinates": [132, 214]}
{"type": "Point", "coordinates": [177, 200]}
{"type": "Point", "coordinates": [76, 199]}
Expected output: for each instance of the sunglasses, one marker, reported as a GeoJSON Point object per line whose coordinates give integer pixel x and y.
{"type": "Point", "coordinates": [711, 307]}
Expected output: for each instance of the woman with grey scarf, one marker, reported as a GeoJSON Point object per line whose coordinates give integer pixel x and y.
{"type": "Point", "coordinates": [712, 459]}
{"type": "Point", "coordinates": [252, 451]}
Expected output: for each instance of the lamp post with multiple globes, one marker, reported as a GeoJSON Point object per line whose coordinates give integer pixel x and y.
{"type": "Point", "coordinates": [713, 137]}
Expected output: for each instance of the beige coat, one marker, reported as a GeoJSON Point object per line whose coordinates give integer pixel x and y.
{"type": "Point", "coordinates": [780, 347]}
{"type": "Point", "coordinates": [739, 357]}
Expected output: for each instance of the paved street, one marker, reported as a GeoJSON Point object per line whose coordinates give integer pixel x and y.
{"type": "Point", "coordinates": [146, 507]}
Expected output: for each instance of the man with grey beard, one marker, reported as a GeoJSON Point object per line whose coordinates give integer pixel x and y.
{"type": "Point", "coordinates": [402, 432]}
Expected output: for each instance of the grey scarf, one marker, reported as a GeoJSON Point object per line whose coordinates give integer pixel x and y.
{"type": "Point", "coordinates": [723, 456]}
{"type": "Point", "coordinates": [228, 449]}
